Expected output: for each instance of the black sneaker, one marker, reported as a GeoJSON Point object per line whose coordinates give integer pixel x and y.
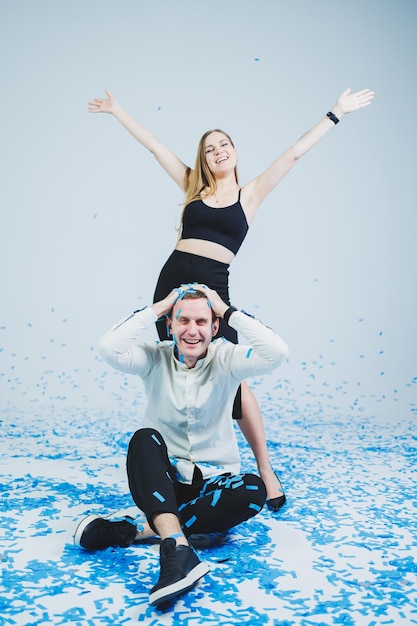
{"type": "Point", "coordinates": [97, 533]}
{"type": "Point", "coordinates": [180, 570]}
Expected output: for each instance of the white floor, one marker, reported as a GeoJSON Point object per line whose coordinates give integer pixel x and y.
{"type": "Point", "coordinates": [342, 551]}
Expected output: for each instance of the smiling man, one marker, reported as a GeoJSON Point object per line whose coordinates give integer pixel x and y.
{"type": "Point", "coordinates": [184, 466]}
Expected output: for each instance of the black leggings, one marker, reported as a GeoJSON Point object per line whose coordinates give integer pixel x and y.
{"type": "Point", "coordinates": [206, 506]}
{"type": "Point", "coordinates": [183, 268]}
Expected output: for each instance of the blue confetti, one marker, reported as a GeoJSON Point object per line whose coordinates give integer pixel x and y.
{"type": "Point", "coordinates": [359, 563]}
{"type": "Point", "coordinates": [158, 496]}
{"type": "Point", "coordinates": [191, 521]}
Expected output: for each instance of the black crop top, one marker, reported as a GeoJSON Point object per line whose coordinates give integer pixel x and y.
{"type": "Point", "coordinates": [226, 225]}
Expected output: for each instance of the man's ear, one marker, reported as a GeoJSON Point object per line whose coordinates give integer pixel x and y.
{"type": "Point", "coordinates": [169, 323]}
{"type": "Point", "coordinates": [215, 326]}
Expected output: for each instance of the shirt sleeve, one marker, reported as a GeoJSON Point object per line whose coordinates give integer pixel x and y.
{"type": "Point", "coordinates": [264, 351]}
{"type": "Point", "coordinates": [120, 348]}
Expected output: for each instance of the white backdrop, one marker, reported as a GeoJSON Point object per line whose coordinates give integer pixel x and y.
{"type": "Point", "coordinates": [88, 218]}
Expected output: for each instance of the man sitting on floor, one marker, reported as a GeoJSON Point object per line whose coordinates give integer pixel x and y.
{"type": "Point", "coordinates": [184, 466]}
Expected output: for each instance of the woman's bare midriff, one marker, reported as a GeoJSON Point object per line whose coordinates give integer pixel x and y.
{"type": "Point", "coordinates": [208, 249]}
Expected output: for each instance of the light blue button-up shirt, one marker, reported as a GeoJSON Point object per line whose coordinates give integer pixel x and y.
{"type": "Point", "coordinates": [192, 408]}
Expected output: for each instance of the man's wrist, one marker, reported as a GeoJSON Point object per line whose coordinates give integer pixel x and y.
{"type": "Point", "coordinates": [159, 309]}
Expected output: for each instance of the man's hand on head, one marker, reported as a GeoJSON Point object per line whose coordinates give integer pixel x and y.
{"type": "Point", "coordinates": [219, 307]}
{"type": "Point", "coordinates": [164, 307]}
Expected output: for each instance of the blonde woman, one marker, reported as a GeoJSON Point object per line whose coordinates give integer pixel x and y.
{"type": "Point", "coordinates": [217, 214]}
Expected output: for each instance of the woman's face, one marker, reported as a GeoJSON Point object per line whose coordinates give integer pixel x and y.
{"type": "Point", "coordinates": [221, 156]}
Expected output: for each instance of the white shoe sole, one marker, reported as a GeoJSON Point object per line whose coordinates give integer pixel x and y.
{"type": "Point", "coordinates": [166, 593]}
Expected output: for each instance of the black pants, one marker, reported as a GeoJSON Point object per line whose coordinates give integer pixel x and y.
{"type": "Point", "coordinates": [206, 506]}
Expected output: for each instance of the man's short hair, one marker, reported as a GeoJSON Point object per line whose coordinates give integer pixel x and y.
{"type": "Point", "coordinates": [196, 294]}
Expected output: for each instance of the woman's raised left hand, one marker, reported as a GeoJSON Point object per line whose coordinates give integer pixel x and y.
{"type": "Point", "coordinates": [349, 102]}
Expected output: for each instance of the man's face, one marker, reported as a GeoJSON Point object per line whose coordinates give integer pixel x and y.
{"type": "Point", "coordinates": [192, 328]}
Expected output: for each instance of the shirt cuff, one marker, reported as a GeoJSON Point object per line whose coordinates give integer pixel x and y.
{"type": "Point", "coordinates": [147, 314]}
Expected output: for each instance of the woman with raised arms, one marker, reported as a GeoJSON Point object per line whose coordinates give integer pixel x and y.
{"type": "Point", "coordinates": [217, 214]}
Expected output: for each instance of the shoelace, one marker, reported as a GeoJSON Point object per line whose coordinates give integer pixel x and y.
{"type": "Point", "coordinates": [168, 566]}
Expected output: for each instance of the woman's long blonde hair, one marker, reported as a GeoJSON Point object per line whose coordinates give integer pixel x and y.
{"type": "Point", "coordinates": [201, 177]}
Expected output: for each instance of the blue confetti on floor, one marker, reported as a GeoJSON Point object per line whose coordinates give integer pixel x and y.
{"type": "Point", "coordinates": [343, 550]}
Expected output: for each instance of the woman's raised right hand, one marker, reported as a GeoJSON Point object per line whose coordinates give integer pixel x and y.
{"type": "Point", "coordinates": [103, 105]}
